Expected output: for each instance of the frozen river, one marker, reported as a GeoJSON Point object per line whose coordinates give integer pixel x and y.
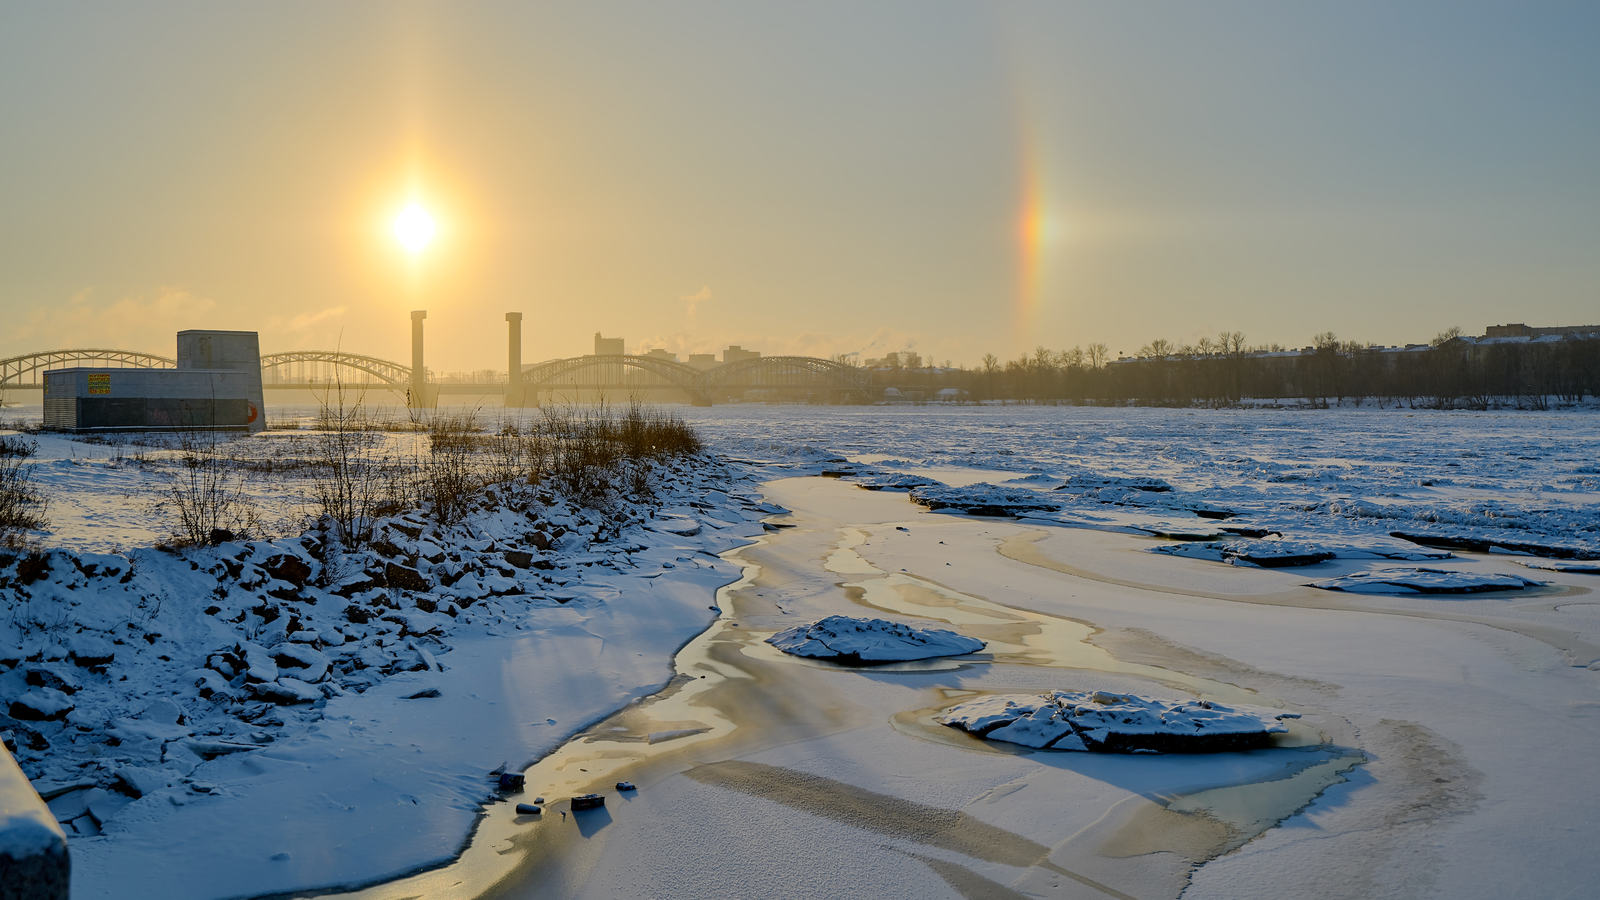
{"type": "Point", "coordinates": [1442, 748]}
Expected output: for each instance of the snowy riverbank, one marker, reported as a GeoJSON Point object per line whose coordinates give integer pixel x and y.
{"type": "Point", "coordinates": [297, 715]}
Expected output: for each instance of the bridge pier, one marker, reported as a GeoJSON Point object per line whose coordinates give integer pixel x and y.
{"type": "Point", "coordinates": [417, 396]}
{"type": "Point", "coordinates": [515, 395]}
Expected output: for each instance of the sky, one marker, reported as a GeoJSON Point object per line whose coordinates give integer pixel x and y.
{"type": "Point", "coordinates": [819, 178]}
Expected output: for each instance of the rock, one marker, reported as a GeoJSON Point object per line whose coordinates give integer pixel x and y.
{"type": "Point", "coordinates": [355, 584]}
{"type": "Point", "coordinates": [32, 567]}
{"type": "Point", "coordinates": [309, 664]}
{"type": "Point", "coordinates": [209, 683]}
{"type": "Point", "coordinates": [529, 809]}
{"type": "Point", "coordinates": [519, 558]}
{"type": "Point", "coordinates": [286, 691]}
{"type": "Point", "coordinates": [90, 651]}
{"type": "Point", "coordinates": [423, 694]}
{"type": "Point", "coordinates": [53, 676]}
{"type": "Point", "coordinates": [41, 705]}
{"type": "Point", "coordinates": [286, 567]}
{"type": "Point", "coordinates": [403, 577]}
{"type": "Point", "coordinates": [258, 664]}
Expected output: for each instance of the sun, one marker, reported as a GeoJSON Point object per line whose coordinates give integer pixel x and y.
{"type": "Point", "coordinates": [413, 228]}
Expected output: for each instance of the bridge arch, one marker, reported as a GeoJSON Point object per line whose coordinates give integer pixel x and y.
{"type": "Point", "coordinates": [787, 373]}
{"type": "Point", "coordinates": [612, 373]}
{"type": "Point", "coordinates": [16, 371]}
{"type": "Point", "coordinates": [391, 373]}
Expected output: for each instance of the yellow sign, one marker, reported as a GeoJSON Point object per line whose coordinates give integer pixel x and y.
{"type": "Point", "coordinates": [99, 382]}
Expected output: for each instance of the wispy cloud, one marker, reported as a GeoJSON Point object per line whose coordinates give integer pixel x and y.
{"type": "Point", "coordinates": [145, 322]}
{"type": "Point", "coordinates": [692, 301]}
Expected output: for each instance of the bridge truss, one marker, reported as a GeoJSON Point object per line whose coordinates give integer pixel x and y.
{"type": "Point", "coordinates": [582, 377]}
{"type": "Point", "coordinates": [27, 371]}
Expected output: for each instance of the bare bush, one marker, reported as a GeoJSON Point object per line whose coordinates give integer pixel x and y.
{"type": "Point", "coordinates": [207, 492]}
{"type": "Point", "coordinates": [22, 504]}
{"type": "Point", "coordinates": [451, 472]}
{"type": "Point", "coordinates": [351, 483]}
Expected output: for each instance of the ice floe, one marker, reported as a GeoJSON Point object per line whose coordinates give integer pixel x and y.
{"type": "Point", "coordinates": [868, 642]}
{"type": "Point", "coordinates": [1405, 580]}
{"type": "Point", "coordinates": [1104, 722]}
{"type": "Point", "coordinates": [1274, 554]}
{"type": "Point", "coordinates": [1554, 565]}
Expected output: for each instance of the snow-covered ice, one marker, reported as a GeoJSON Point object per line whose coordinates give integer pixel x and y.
{"type": "Point", "coordinates": [865, 642]}
{"type": "Point", "coordinates": [1403, 580]}
{"type": "Point", "coordinates": [1106, 721]}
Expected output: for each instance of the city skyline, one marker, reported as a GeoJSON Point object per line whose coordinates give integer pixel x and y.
{"type": "Point", "coordinates": [950, 179]}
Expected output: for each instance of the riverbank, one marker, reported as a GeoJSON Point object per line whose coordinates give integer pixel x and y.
{"type": "Point", "coordinates": [263, 716]}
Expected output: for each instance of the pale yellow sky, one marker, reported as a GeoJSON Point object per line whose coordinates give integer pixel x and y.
{"type": "Point", "coordinates": [954, 178]}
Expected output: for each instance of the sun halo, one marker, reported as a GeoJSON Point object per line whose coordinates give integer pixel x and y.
{"type": "Point", "coordinates": [414, 228]}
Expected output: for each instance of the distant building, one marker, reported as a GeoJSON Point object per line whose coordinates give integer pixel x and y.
{"type": "Point", "coordinates": [216, 386]}
{"type": "Point", "coordinates": [659, 353]}
{"type": "Point", "coordinates": [604, 346]}
{"type": "Point", "coordinates": [1517, 329]}
{"type": "Point", "coordinates": [736, 353]}
{"type": "Point", "coordinates": [703, 361]}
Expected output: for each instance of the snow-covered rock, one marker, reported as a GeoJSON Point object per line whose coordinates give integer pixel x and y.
{"type": "Point", "coordinates": [1106, 722]}
{"type": "Point", "coordinates": [1426, 581]}
{"type": "Point", "coordinates": [867, 642]}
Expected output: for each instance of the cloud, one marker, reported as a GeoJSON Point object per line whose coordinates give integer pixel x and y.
{"type": "Point", "coordinates": [692, 301]}
{"type": "Point", "coordinates": [304, 321]}
{"type": "Point", "coordinates": [148, 322]}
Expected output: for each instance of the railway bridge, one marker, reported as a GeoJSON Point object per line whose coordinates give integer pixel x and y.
{"type": "Point", "coordinates": [580, 378]}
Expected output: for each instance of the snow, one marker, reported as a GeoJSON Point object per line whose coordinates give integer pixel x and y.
{"type": "Point", "coordinates": [1426, 581]}
{"type": "Point", "coordinates": [858, 641]}
{"type": "Point", "coordinates": [1418, 797]}
{"type": "Point", "coordinates": [1109, 721]}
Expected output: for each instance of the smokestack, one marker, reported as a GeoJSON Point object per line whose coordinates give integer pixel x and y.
{"type": "Point", "coordinates": [419, 374]}
{"type": "Point", "coordinates": [513, 359]}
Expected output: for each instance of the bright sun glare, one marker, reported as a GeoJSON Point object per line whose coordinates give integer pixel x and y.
{"type": "Point", "coordinates": [414, 228]}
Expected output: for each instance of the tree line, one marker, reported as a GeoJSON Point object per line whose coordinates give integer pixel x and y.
{"type": "Point", "coordinates": [1450, 372]}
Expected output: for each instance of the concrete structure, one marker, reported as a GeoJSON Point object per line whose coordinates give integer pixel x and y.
{"type": "Point", "coordinates": [659, 353]}
{"type": "Point", "coordinates": [703, 361]}
{"type": "Point", "coordinates": [418, 394]}
{"type": "Point", "coordinates": [604, 346]}
{"type": "Point", "coordinates": [513, 359]}
{"type": "Point", "coordinates": [736, 353]}
{"type": "Point", "coordinates": [216, 385]}
{"type": "Point", "coordinates": [33, 850]}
